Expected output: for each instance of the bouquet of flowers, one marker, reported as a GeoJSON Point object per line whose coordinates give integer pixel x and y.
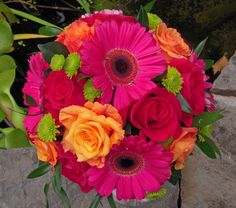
{"type": "Point", "coordinates": [117, 104]}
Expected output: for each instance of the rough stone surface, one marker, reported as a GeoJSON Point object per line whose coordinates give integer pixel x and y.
{"type": "Point", "coordinates": [210, 183]}
{"type": "Point", "coordinates": [225, 84]}
{"type": "Point", "coordinates": [18, 192]}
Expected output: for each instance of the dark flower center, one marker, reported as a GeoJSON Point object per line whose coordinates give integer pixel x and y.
{"type": "Point", "coordinates": [126, 163]}
{"type": "Point", "coordinates": [121, 66]}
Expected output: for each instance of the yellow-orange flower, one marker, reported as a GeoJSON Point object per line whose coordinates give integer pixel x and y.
{"type": "Point", "coordinates": [91, 130]}
{"type": "Point", "coordinates": [183, 146]}
{"type": "Point", "coordinates": [74, 34]}
{"type": "Point", "coordinates": [46, 151]}
{"type": "Point", "coordinates": [171, 43]}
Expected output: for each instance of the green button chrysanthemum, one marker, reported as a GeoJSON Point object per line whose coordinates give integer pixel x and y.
{"type": "Point", "coordinates": [47, 128]}
{"type": "Point", "coordinates": [90, 93]}
{"type": "Point", "coordinates": [72, 64]}
{"type": "Point", "coordinates": [173, 80]}
{"type": "Point", "coordinates": [57, 62]}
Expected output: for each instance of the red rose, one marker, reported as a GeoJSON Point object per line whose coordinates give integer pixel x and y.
{"type": "Point", "coordinates": [72, 169]}
{"type": "Point", "coordinates": [193, 87]}
{"type": "Point", "coordinates": [60, 92]}
{"type": "Point", "coordinates": [157, 114]}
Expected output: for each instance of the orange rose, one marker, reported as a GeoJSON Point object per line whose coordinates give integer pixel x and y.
{"type": "Point", "coordinates": [46, 151]}
{"type": "Point", "coordinates": [91, 131]}
{"type": "Point", "coordinates": [75, 34]}
{"type": "Point", "coordinates": [183, 146]}
{"type": "Point", "coordinates": [171, 43]}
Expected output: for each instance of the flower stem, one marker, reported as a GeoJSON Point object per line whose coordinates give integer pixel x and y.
{"type": "Point", "coordinates": [111, 201]}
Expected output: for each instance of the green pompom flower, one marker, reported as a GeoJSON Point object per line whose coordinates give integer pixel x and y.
{"type": "Point", "coordinates": [90, 93]}
{"type": "Point", "coordinates": [173, 80]}
{"type": "Point", "coordinates": [57, 62]}
{"type": "Point", "coordinates": [47, 128]}
{"type": "Point", "coordinates": [154, 21]}
{"type": "Point", "coordinates": [72, 64]}
{"type": "Point", "coordinates": [157, 195]}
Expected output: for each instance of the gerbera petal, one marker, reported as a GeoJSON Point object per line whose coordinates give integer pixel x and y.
{"type": "Point", "coordinates": [138, 190]}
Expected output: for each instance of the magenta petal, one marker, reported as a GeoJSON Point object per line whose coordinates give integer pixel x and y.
{"type": "Point", "coordinates": [149, 182]}
{"type": "Point", "coordinates": [137, 188]}
{"type": "Point", "coordinates": [107, 187]}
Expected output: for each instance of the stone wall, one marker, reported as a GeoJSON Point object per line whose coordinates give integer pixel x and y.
{"type": "Point", "coordinates": [206, 183]}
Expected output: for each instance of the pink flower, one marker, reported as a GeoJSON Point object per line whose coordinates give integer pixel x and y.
{"type": "Point", "coordinates": [209, 98]}
{"type": "Point", "coordinates": [34, 88]}
{"type": "Point", "coordinates": [104, 15]}
{"type": "Point", "coordinates": [193, 87]}
{"type": "Point", "coordinates": [133, 168]}
{"type": "Point", "coordinates": [73, 170]}
{"type": "Point", "coordinates": [61, 91]}
{"type": "Point", "coordinates": [122, 60]}
{"type": "Point", "coordinates": [157, 114]}
{"type": "Point", "coordinates": [210, 102]}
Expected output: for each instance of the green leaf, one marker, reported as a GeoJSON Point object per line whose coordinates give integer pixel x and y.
{"type": "Point", "coordinates": [96, 201]}
{"type": "Point", "coordinates": [45, 190]}
{"type": "Point", "coordinates": [50, 31]}
{"type": "Point", "coordinates": [14, 114]}
{"type": "Point", "coordinates": [57, 177]}
{"type": "Point", "coordinates": [27, 36]}
{"type": "Point", "coordinates": [50, 49]}
{"type": "Point", "coordinates": [61, 193]}
{"type": "Point", "coordinates": [111, 201]}
{"type": "Point", "coordinates": [148, 7]}
{"type": "Point", "coordinates": [40, 171]}
{"type": "Point", "coordinates": [2, 115]}
{"type": "Point", "coordinates": [184, 104]}
{"type": "Point", "coordinates": [30, 100]}
{"type": "Point", "coordinates": [33, 18]}
{"type": "Point", "coordinates": [142, 17]}
{"type": "Point", "coordinates": [206, 118]}
{"type": "Point", "coordinates": [175, 176]}
{"type": "Point", "coordinates": [56, 183]}
{"type": "Point", "coordinates": [7, 73]}
{"type": "Point", "coordinates": [210, 143]}
{"type": "Point", "coordinates": [85, 5]}
{"type": "Point", "coordinates": [6, 14]}
{"type": "Point", "coordinates": [209, 63]}
{"type": "Point", "coordinates": [206, 149]}
{"type": "Point", "coordinates": [2, 141]}
{"type": "Point", "coordinates": [64, 197]}
{"type": "Point", "coordinates": [6, 37]}
{"type": "Point", "coordinates": [200, 46]}
{"type": "Point", "coordinates": [15, 138]}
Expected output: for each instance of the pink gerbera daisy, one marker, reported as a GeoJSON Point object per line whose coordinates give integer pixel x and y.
{"type": "Point", "coordinates": [34, 88]}
{"type": "Point", "coordinates": [122, 59]}
{"type": "Point", "coordinates": [133, 168]}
